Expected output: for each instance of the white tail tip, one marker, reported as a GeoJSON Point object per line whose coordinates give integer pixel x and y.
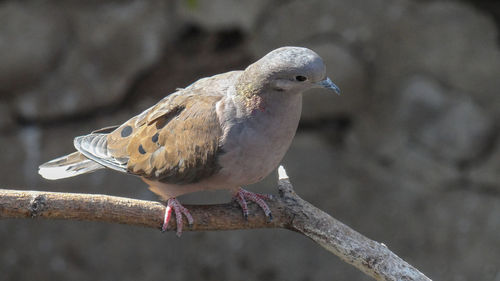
{"type": "Point", "coordinates": [282, 173]}
{"type": "Point", "coordinates": [55, 173]}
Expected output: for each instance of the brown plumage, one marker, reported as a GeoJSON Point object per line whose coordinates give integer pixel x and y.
{"type": "Point", "coordinates": [175, 141]}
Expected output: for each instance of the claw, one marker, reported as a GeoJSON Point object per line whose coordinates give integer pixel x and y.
{"type": "Point", "coordinates": [179, 210]}
{"type": "Point", "coordinates": [240, 198]}
{"type": "Point", "coordinates": [242, 195]}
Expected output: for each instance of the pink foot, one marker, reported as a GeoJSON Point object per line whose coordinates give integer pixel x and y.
{"type": "Point", "coordinates": [242, 195]}
{"type": "Point", "coordinates": [179, 210]}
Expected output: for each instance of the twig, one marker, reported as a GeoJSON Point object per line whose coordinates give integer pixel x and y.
{"type": "Point", "coordinates": [289, 212]}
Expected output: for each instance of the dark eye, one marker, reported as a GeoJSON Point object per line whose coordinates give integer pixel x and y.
{"type": "Point", "coordinates": [300, 78]}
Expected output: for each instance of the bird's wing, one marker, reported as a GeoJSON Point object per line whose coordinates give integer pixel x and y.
{"type": "Point", "coordinates": [175, 141]}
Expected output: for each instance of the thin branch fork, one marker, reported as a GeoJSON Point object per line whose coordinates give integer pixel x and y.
{"type": "Point", "coordinates": [288, 209]}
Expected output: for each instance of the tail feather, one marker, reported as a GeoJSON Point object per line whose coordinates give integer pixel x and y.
{"type": "Point", "coordinates": [68, 166]}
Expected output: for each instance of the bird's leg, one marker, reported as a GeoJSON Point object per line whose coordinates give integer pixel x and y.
{"type": "Point", "coordinates": [241, 196]}
{"type": "Point", "coordinates": [179, 210]}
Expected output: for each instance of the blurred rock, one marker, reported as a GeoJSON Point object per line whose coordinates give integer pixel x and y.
{"type": "Point", "coordinates": [485, 175]}
{"type": "Point", "coordinates": [222, 14]}
{"type": "Point", "coordinates": [460, 134]}
{"type": "Point", "coordinates": [111, 42]}
{"type": "Point", "coordinates": [349, 22]}
{"type": "Point", "coordinates": [451, 128]}
{"type": "Point", "coordinates": [6, 118]}
{"type": "Point", "coordinates": [32, 39]}
{"type": "Point", "coordinates": [449, 40]}
{"type": "Point", "coordinates": [421, 102]}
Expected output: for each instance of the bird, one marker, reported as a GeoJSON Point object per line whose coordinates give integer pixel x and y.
{"type": "Point", "coordinates": [226, 131]}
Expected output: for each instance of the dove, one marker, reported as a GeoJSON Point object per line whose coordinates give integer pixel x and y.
{"type": "Point", "coordinates": [222, 132]}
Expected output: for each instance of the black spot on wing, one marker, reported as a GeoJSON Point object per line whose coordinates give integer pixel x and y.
{"type": "Point", "coordinates": [141, 150]}
{"type": "Point", "coordinates": [155, 138]}
{"type": "Point", "coordinates": [126, 131]}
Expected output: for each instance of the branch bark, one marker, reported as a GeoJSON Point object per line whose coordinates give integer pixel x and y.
{"type": "Point", "coordinates": [288, 209]}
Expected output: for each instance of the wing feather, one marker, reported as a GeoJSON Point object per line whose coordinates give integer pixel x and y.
{"type": "Point", "coordinates": [94, 147]}
{"type": "Point", "coordinates": [177, 141]}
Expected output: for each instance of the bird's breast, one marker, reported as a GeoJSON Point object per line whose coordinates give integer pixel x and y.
{"type": "Point", "coordinates": [254, 144]}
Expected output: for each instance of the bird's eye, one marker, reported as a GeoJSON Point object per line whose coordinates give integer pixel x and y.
{"type": "Point", "coordinates": [300, 78]}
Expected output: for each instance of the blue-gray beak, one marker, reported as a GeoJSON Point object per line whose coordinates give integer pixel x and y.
{"type": "Point", "coordinates": [328, 84]}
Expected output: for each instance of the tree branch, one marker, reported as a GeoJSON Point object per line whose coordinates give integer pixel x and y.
{"type": "Point", "coordinates": [288, 209]}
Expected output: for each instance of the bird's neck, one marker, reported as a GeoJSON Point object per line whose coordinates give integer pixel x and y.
{"type": "Point", "coordinates": [256, 96]}
{"type": "Point", "coordinates": [249, 93]}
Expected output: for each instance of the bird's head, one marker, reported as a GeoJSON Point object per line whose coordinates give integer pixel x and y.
{"type": "Point", "coordinates": [289, 69]}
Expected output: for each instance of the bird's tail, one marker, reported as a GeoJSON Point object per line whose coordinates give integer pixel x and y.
{"type": "Point", "coordinates": [68, 166]}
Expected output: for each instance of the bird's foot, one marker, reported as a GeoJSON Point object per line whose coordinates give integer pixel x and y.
{"type": "Point", "coordinates": [179, 210]}
{"type": "Point", "coordinates": [241, 196]}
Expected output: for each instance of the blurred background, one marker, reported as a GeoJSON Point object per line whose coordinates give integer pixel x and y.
{"type": "Point", "coordinates": [408, 155]}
